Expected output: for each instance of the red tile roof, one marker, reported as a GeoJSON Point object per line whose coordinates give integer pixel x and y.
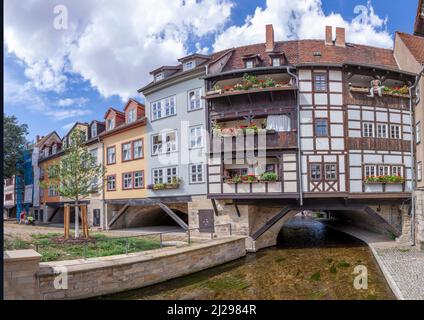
{"type": "Point", "coordinates": [415, 44]}
{"type": "Point", "coordinates": [419, 20]}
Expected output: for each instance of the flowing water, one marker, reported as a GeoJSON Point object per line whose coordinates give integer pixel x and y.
{"type": "Point", "coordinates": [310, 261]}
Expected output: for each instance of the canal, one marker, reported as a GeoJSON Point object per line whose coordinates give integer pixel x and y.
{"type": "Point", "coordinates": [310, 261]}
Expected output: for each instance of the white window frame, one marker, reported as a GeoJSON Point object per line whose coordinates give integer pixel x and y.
{"type": "Point", "coordinates": [141, 186]}
{"type": "Point", "coordinates": [159, 76]}
{"type": "Point", "coordinates": [127, 177]}
{"type": "Point", "coordinates": [382, 134]}
{"type": "Point", "coordinates": [141, 156]}
{"type": "Point", "coordinates": [370, 170]}
{"type": "Point", "coordinates": [131, 115]}
{"type": "Point", "coordinates": [395, 131]}
{"type": "Point", "coordinates": [278, 60]}
{"type": "Point", "coordinates": [163, 146]}
{"type": "Point", "coordinates": [163, 175]}
{"type": "Point", "coordinates": [197, 173]}
{"type": "Point", "coordinates": [54, 149]}
{"type": "Point", "coordinates": [397, 170]}
{"type": "Point", "coordinates": [419, 171]}
{"type": "Point", "coordinates": [164, 108]}
{"type": "Point", "coordinates": [418, 133]}
{"type": "Point", "coordinates": [53, 191]}
{"type": "Point", "coordinates": [189, 65]}
{"type": "Point", "coordinates": [249, 64]}
{"type": "Point", "coordinates": [197, 101]}
{"type": "Point", "coordinates": [94, 153]}
{"type": "Point", "coordinates": [366, 126]}
{"type": "Point", "coordinates": [157, 175]}
{"type": "Point", "coordinates": [129, 151]}
{"type": "Point", "coordinates": [94, 130]}
{"type": "Point", "coordinates": [110, 124]}
{"type": "Point", "coordinates": [193, 137]}
{"type": "Point", "coordinates": [384, 170]}
{"type": "Point", "coordinates": [111, 154]}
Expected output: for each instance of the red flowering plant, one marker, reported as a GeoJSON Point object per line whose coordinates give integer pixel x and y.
{"type": "Point", "coordinates": [250, 178]}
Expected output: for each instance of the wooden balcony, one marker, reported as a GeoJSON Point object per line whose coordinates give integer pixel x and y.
{"type": "Point", "coordinates": [220, 93]}
{"type": "Point", "coordinates": [379, 144]}
{"type": "Point", "coordinates": [359, 96]}
{"type": "Point", "coordinates": [271, 141]}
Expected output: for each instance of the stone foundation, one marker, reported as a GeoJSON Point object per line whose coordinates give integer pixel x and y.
{"type": "Point", "coordinates": [419, 219]}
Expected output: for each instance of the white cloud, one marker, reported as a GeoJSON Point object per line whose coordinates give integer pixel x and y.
{"type": "Point", "coordinates": [304, 19]}
{"type": "Point", "coordinates": [112, 44]}
{"type": "Point", "coordinates": [77, 102]}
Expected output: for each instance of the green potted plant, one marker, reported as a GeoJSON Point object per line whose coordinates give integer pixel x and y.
{"type": "Point", "coordinates": [159, 186]}
{"type": "Point", "coordinates": [269, 177]}
{"type": "Point", "coordinates": [175, 183]}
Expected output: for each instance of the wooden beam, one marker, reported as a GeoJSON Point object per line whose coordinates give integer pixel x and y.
{"type": "Point", "coordinates": [215, 209]}
{"type": "Point", "coordinates": [66, 221]}
{"type": "Point", "coordinates": [383, 221]}
{"type": "Point", "coordinates": [173, 216]}
{"type": "Point", "coordinates": [237, 208]}
{"type": "Point", "coordinates": [118, 215]}
{"type": "Point", "coordinates": [271, 223]}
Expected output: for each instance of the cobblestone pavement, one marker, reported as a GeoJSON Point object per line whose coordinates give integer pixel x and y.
{"type": "Point", "coordinates": [406, 267]}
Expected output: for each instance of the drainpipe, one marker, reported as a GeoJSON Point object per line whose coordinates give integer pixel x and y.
{"type": "Point", "coordinates": [299, 157]}
{"type": "Point", "coordinates": [105, 224]}
{"type": "Point", "coordinates": [413, 166]}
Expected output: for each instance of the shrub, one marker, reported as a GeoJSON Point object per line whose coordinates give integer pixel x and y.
{"type": "Point", "coordinates": [269, 176]}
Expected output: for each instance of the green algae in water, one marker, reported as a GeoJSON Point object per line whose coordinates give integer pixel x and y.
{"type": "Point", "coordinates": [316, 276]}
{"type": "Point", "coordinates": [333, 269]}
{"type": "Point", "coordinates": [343, 264]}
{"type": "Point", "coordinates": [316, 295]}
{"type": "Point", "coordinates": [227, 283]}
{"type": "Point", "coordinates": [280, 259]}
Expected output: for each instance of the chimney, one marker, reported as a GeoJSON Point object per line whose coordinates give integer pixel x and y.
{"type": "Point", "coordinates": [269, 38]}
{"type": "Point", "coordinates": [340, 37]}
{"type": "Point", "coordinates": [328, 35]}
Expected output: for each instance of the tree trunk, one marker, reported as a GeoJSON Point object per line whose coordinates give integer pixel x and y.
{"type": "Point", "coordinates": [76, 220]}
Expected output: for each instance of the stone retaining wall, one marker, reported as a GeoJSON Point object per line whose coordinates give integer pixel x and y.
{"type": "Point", "coordinates": [106, 275]}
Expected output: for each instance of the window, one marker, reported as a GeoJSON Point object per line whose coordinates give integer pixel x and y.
{"type": "Point", "coordinates": [171, 173]}
{"type": "Point", "coordinates": [196, 173]}
{"type": "Point", "coordinates": [111, 155]}
{"type": "Point", "coordinates": [9, 197]}
{"type": "Point", "coordinates": [321, 127]}
{"type": "Point", "coordinates": [53, 191]}
{"type": "Point", "coordinates": [418, 132]}
{"type": "Point", "coordinates": [281, 123]}
{"type": "Point", "coordinates": [368, 130]}
{"type": "Point", "coordinates": [397, 171]}
{"type": "Point", "coordinates": [126, 151]}
{"type": "Point", "coordinates": [194, 99]}
{"type": "Point", "coordinates": [419, 171]}
{"type": "Point", "coordinates": [138, 179]}
{"type": "Point", "coordinates": [127, 181]}
{"type": "Point", "coordinates": [189, 65]}
{"type": "Point", "coordinates": [93, 130]}
{"type": "Point", "coordinates": [156, 110]}
{"type": "Point", "coordinates": [196, 139]}
{"type": "Point", "coordinates": [370, 171]}
{"type": "Point", "coordinates": [170, 106]}
{"type": "Point", "coordinates": [54, 149]}
{"type": "Point", "coordinates": [381, 130]}
{"type": "Point", "coordinates": [383, 170]}
{"type": "Point", "coordinates": [138, 149]}
{"type": "Point", "coordinates": [164, 108]}
{"type": "Point", "coordinates": [46, 152]}
{"type": "Point", "coordinates": [394, 132]}
{"type": "Point", "coordinates": [94, 155]}
{"type": "Point", "coordinates": [248, 64]}
{"type": "Point", "coordinates": [131, 115]}
{"type": "Point", "coordinates": [237, 172]}
{"type": "Point", "coordinates": [110, 124]}
{"type": "Point", "coordinates": [159, 76]}
{"type": "Point", "coordinates": [52, 171]}
{"type": "Point", "coordinates": [330, 172]}
{"type": "Point", "coordinates": [315, 172]}
{"type": "Point", "coordinates": [320, 82]}
{"type": "Point", "coordinates": [111, 183]}
{"type": "Point", "coordinates": [276, 62]}
{"type": "Point", "coordinates": [270, 168]}
{"type": "Point", "coordinates": [157, 176]}
{"type": "Point", "coordinates": [164, 143]}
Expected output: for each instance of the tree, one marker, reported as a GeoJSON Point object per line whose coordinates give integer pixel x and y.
{"type": "Point", "coordinates": [14, 140]}
{"type": "Point", "coordinates": [77, 175]}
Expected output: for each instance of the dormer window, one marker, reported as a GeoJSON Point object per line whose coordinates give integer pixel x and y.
{"type": "Point", "coordinates": [276, 62]}
{"type": "Point", "coordinates": [188, 65]}
{"type": "Point", "coordinates": [94, 130]}
{"type": "Point", "coordinates": [110, 124]}
{"type": "Point", "coordinates": [249, 64]}
{"type": "Point", "coordinates": [54, 149]}
{"type": "Point", "coordinates": [131, 116]}
{"type": "Point", "coordinates": [159, 76]}
{"type": "Point", "coordinates": [46, 152]}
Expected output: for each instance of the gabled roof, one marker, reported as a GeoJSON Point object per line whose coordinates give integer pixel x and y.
{"type": "Point", "coordinates": [135, 101]}
{"type": "Point", "coordinates": [120, 113]}
{"type": "Point", "coordinates": [85, 124]}
{"type": "Point", "coordinates": [97, 121]}
{"type": "Point", "coordinates": [415, 44]}
{"type": "Point", "coordinates": [194, 56]}
{"type": "Point", "coordinates": [46, 138]}
{"type": "Point", "coordinates": [163, 68]}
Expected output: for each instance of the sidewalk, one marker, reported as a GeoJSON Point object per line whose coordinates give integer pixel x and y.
{"type": "Point", "coordinates": [401, 264]}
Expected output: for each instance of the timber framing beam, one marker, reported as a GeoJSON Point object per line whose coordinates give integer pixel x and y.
{"type": "Point", "coordinates": [118, 215]}
{"type": "Point", "coordinates": [172, 214]}
{"type": "Point", "coordinates": [271, 222]}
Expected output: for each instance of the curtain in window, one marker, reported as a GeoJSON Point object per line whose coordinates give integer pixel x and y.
{"type": "Point", "coordinates": [280, 123]}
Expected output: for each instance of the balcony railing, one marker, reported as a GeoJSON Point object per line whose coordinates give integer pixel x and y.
{"type": "Point", "coordinates": [241, 142]}
{"type": "Point", "coordinates": [389, 99]}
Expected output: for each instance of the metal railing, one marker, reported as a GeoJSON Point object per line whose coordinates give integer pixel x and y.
{"type": "Point", "coordinates": [128, 244]}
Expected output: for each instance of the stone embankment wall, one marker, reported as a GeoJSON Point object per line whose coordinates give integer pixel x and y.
{"type": "Point", "coordinates": [27, 278]}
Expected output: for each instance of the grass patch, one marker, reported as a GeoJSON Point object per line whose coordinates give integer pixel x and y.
{"type": "Point", "coordinates": [227, 283]}
{"type": "Point", "coordinates": [316, 276]}
{"type": "Point", "coordinates": [101, 246]}
{"type": "Point", "coordinates": [280, 259]}
{"type": "Point", "coordinates": [333, 269]}
{"type": "Point", "coordinates": [343, 264]}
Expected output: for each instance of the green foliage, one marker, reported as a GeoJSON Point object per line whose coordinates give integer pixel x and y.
{"type": "Point", "coordinates": [280, 259]}
{"type": "Point", "coordinates": [269, 176]}
{"type": "Point", "coordinates": [77, 175]}
{"type": "Point", "coordinates": [333, 269]}
{"type": "Point", "coordinates": [316, 276]}
{"type": "Point", "coordinates": [343, 264]}
{"type": "Point", "coordinates": [13, 144]}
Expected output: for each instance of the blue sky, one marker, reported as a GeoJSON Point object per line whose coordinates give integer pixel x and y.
{"type": "Point", "coordinates": [54, 78]}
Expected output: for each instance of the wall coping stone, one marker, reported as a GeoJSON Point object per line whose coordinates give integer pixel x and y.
{"type": "Point", "coordinates": [83, 265]}
{"type": "Point", "coordinates": [19, 255]}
